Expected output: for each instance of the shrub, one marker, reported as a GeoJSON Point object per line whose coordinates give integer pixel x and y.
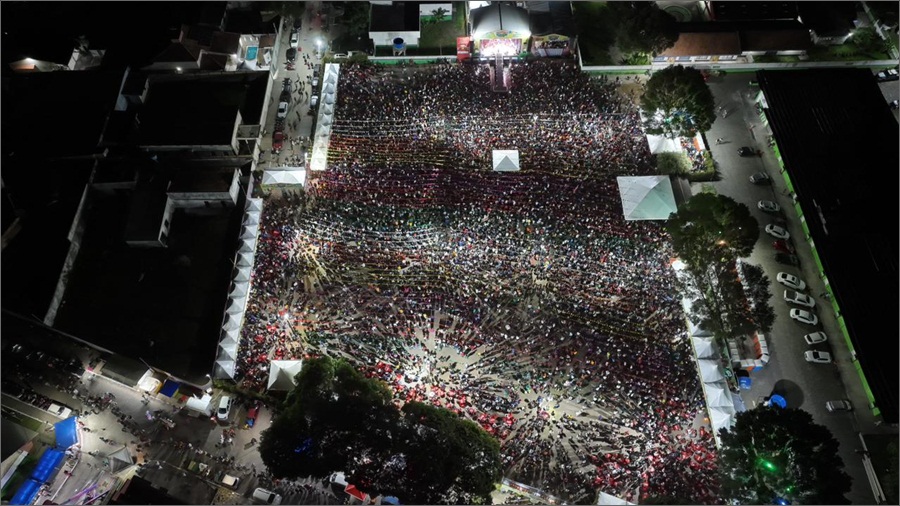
{"type": "Point", "coordinates": [673, 163]}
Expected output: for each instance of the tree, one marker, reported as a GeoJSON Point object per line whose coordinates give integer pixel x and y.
{"type": "Point", "coordinates": [780, 453]}
{"type": "Point", "coordinates": [356, 17]}
{"type": "Point", "coordinates": [677, 102]}
{"type": "Point", "coordinates": [643, 27]}
{"type": "Point", "coordinates": [673, 163]}
{"type": "Point", "coordinates": [336, 419]}
{"type": "Point", "coordinates": [762, 314]}
{"type": "Point", "coordinates": [708, 227]}
{"type": "Point", "coordinates": [868, 41]}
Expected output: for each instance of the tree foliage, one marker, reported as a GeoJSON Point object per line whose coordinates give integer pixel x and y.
{"type": "Point", "coordinates": [336, 419]}
{"type": "Point", "coordinates": [673, 163]}
{"type": "Point", "coordinates": [677, 102]}
{"type": "Point", "coordinates": [708, 227]}
{"type": "Point", "coordinates": [356, 18]}
{"type": "Point", "coordinates": [643, 27]}
{"type": "Point", "coordinates": [762, 314]}
{"type": "Point", "coordinates": [773, 452]}
{"type": "Point", "coordinates": [868, 41]}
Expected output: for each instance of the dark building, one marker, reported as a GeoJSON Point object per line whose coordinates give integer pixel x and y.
{"type": "Point", "coordinates": [837, 140]}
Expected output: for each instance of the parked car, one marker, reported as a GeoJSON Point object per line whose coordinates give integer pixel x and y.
{"type": "Point", "coordinates": [224, 407]}
{"type": "Point", "coordinates": [298, 23]}
{"type": "Point", "coordinates": [790, 281]}
{"type": "Point", "coordinates": [291, 54]}
{"type": "Point", "coordinates": [887, 75]}
{"type": "Point", "coordinates": [768, 206]}
{"type": "Point", "coordinates": [801, 299]}
{"type": "Point", "coordinates": [282, 110]}
{"type": "Point", "coordinates": [746, 151]}
{"type": "Point", "coordinates": [783, 246]}
{"type": "Point", "coordinates": [339, 55]}
{"type": "Point", "coordinates": [60, 411]}
{"type": "Point", "coordinates": [760, 178]}
{"type": "Point", "coordinates": [787, 259]}
{"type": "Point", "coordinates": [841, 405]}
{"type": "Point", "coordinates": [776, 231]}
{"type": "Point", "coordinates": [277, 140]}
{"type": "Point", "coordinates": [803, 316]}
{"type": "Point", "coordinates": [815, 338]}
{"type": "Point", "coordinates": [230, 481]}
{"type": "Point", "coordinates": [266, 496]}
{"type": "Point", "coordinates": [313, 101]}
{"type": "Point", "coordinates": [295, 39]}
{"type": "Point", "coordinates": [817, 357]}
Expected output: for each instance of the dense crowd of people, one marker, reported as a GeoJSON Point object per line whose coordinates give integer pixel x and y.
{"type": "Point", "coordinates": [523, 301]}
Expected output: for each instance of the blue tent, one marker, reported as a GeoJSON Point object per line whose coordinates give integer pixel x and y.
{"type": "Point", "coordinates": [47, 465]}
{"type": "Point", "coordinates": [169, 388]}
{"type": "Point", "coordinates": [66, 433]}
{"type": "Point", "coordinates": [390, 500]}
{"type": "Point", "coordinates": [27, 493]}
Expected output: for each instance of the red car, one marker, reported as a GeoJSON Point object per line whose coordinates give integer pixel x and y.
{"type": "Point", "coordinates": [783, 246]}
{"type": "Point", "coordinates": [277, 141]}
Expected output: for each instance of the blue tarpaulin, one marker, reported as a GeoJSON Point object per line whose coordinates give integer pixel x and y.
{"type": "Point", "coordinates": [745, 382]}
{"type": "Point", "coordinates": [169, 388]}
{"type": "Point", "coordinates": [66, 433]}
{"type": "Point", "coordinates": [27, 493]}
{"type": "Point", "coordinates": [47, 465]}
{"type": "Point", "coordinates": [779, 401]}
{"type": "Point", "coordinates": [390, 500]}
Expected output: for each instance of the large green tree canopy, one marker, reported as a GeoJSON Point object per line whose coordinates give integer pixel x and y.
{"type": "Point", "coordinates": [678, 102]}
{"type": "Point", "coordinates": [709, 226]}
{"type": "Point", "coordinates": [643, 27]}
{"type": "Point", "coordinates": [336, 419]}
{"type": "Point", "coordinates": [780, 453]}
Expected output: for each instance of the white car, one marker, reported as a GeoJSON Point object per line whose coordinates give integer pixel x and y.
{"type": "Point", "coordinates": [768, 206]}
{"type": "Point", "coordinates": [224, 408]}
{"type": "Point", "coordinates": [804, 317]}
{"type": "Point", "coordinates": [313, 101]}
{"type": "Point", "coordinates": [790, 281]}
{"type": "Point", "coordinates": [60, 411]}
{"type": "Point", "coordinates": [777, 232]}
{"type": "Point", "coordinates": [282, 110]}
{"type": "Point", "coordinates": [815, 338]}
{"type": "Point", "coordinates": [295, 40]}
{"type": "Point", "coordinates": [266, 496]}
{"type": "Point", "coordinates": [817, 357]}
{"type": "Point", "coordinates": [801, 299]}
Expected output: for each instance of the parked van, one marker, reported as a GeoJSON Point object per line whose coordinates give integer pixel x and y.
{"type": "Point", "coordinates": [266, 496]}
{"type": "Point", "coordinates": [224, 408]}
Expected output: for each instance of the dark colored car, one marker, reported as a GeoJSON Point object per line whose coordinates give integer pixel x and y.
{"type": "Point", "coordinates": [277, 140]}
{"type": "Point", "coordinates": [290, 54]}
{"type": "Point", "coordinates": [783, 246]}
{"type": "Point", "coordinates": [786, 259]}
{"type": "Point", "coordinates": [746, 151]}
{"type": "Point", "coordinates": [760, 178]}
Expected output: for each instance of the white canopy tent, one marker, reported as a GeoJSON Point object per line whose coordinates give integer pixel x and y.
{"type": "Point", "coordinates": [646, 197]}
{"type": "Point", "coordinates": [709, 370]}
{"type": "Point", "coordinates": [282, 372]}
{"type": "Point", "coordinates": [506, 160]}
{"type": "Point", "coordinates": [661, 144]}
{"type": "Point", "coordinates": [225, 368]}
{"type": "Point", "coordinates": [294, 176]}
{"type": "Point", "coordinates": [703, 347]}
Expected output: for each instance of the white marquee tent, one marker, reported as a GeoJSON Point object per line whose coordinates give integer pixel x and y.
{"type": "Point", "coordinates": [506, 160]}
{"type": "Point", "coordinates": [661, 144]}
{"type": "Point", "coordinates": [286, 177]}
{"type": "Point", "coordinates": [282, 372]}
{"type": "Point", "coordinates": [709, 370]}
{"type": "Point", "coordinates": [327, 99]}
{"type": "Point", "coordinates": [646, 197]}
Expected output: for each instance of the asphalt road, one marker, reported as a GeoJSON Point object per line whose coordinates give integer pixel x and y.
{"type": "Point", "coordinates": [810, 385]}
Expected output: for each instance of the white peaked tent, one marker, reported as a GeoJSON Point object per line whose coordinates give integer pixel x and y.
{"type": "Point", "coordinates": [234, 307]}
{"type": "Point", "coordinates": [248, 246]}
{"type": "Point", "coordinates": [694, 329]}
{"type": "Point", "coordinates": [244, 259]}
{"type": "Point", "coordinates": [709, 370]}
{"type": "Point", "coordinates": [318, 160]}
{"type": "Point", "coordinates": [254, 205]}
{"type": "Point", "coordinates": [239, 289]}
{"type": "Point", "coordinates": [240, 300]}
{"type": "Point", "coordinates": [225, 368]}
{"type": "Point", "coordinates": [506, 160]}
{"type": "Point", "coordinates": [227, 351]}
{"type": "Point", "coordinates": [703, 347]}
{"type": "Point", "coordinates": [646, 197]}
{"type": "Point", "coordinates": [720, 418]}
{"type": "Point", "coordinates": [662, 144]}
{"type": "Point", "coordinates": [248, 232]}
{"type": "Point", "coordinates": [286, 177]}
{"type": "Point", "coordinates": [242, 274]}
{"type": "Point", "coordinates": [232, 323]}
{"type": "Point", "coordinates": [607, 499]}
{"type": "Point", "coordinates": [233, 335]}
{"type": "Point", "coordinates": [251, 219]}
{"type": "Point", "coordinates": [282, 372]}
{"type": "Point", "coordinates": [717, 395]}
{"type": "Point", "coordinates": [120, 459]}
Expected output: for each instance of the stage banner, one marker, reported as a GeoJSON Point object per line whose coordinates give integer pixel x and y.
{"type": "Point", "coordinates": [462, 48]}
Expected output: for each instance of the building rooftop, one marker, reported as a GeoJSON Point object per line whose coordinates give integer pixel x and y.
{"type": "Point", "coordinates": [200, 110]}
{"type": "Point", "coordinates": [499, 16]}
{"type": "Point", "coordinates": [548, 18]}
{"type": "Point", "coordinates": [752, 11]}
{"type": "Point", "coordinates": [397, 17]}
{"type": "Point", "coordinates": [828, 18]}
{"type": "Point", "coordinates": [705, 43]}
{"type": "Point", "coordinates": [214, 180]}
{"type": "Point", "coordinates": [160, 305]}
{"type": "Point", "coordinates": [830, 125]}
